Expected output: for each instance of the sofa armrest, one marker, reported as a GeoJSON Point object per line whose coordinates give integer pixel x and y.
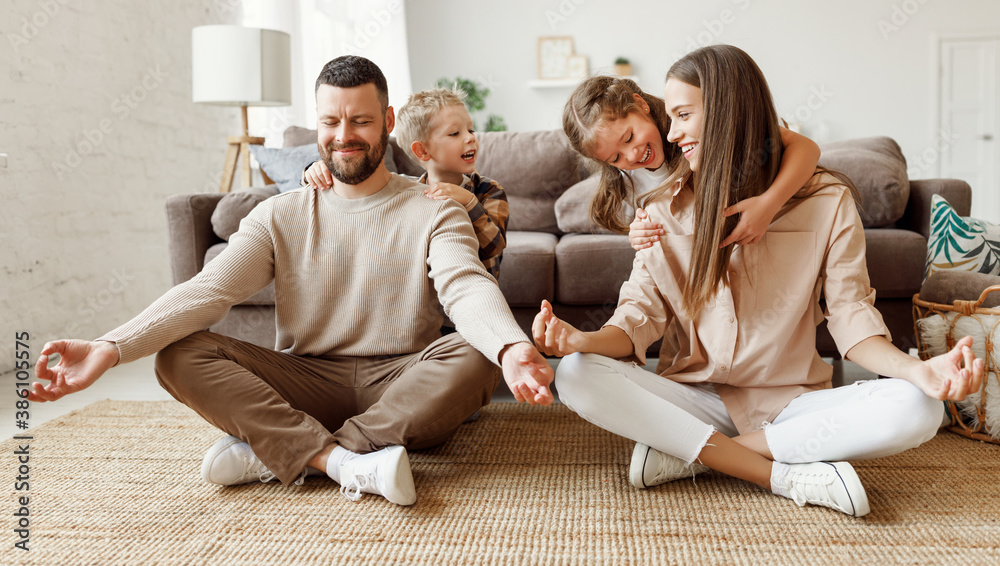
{"type": "Point", "coordinates": [917, 216]}
{"type": "Point", "coordinates": [189, 225]}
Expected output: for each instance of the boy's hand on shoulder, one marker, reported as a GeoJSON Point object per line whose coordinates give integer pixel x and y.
{"type": "Point", "coordinates": [444, 191]}
{"type": "Point", "coordinates": [318, 176]}
{"type": "Point", "coordinates": [756, 214]}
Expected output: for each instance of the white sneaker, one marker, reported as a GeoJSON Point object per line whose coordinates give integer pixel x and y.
{"type": "Point", "coordinates": [651, 467]}
{"type": "Point", "coordinates": [230, 461]}
{"type": "Point", "coordinates": [386, 473]}
{"type": "Point", "coordinates": [828, 484]}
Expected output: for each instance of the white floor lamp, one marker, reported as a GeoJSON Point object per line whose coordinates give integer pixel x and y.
{"type": "Point", "coordinates": [240, 66]}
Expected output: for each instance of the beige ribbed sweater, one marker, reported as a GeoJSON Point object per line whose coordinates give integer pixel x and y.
{"type": "Point", "coordinates": [352, 277]}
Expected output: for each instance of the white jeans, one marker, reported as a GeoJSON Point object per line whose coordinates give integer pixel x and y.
{"type": "Point", "coordinates": [869, 419]}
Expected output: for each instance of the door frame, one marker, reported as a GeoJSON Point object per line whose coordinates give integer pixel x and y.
{"type": "Point", "coordinates": [937, 76]}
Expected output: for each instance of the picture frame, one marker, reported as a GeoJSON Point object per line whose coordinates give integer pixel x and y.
{"type": "Point", "coordinates": [553, 57]}
{"type": "Point", "coordinates": [577, 67]}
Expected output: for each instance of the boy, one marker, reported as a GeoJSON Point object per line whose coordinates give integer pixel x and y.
{"type": "Point", "coordinates": [435, 128]}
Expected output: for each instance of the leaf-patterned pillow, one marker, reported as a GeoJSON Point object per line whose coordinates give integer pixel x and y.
{"type": "Point", "coordinates": [960, 243]}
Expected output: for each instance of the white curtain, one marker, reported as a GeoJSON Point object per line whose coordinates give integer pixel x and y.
{"type": "Point", "coordinates": [322, 30]}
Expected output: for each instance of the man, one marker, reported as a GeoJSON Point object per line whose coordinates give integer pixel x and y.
{"type": "Point", "coordinates": [362, 372]}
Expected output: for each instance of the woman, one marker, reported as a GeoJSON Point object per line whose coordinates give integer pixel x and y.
{"type": "Point", "coordinates": [741, 388]}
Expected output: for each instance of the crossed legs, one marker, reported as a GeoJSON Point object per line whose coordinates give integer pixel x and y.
{"type": "Point", "coordinates": [689, 422]}
{"type": "Point", "coordinates": [292, 408]}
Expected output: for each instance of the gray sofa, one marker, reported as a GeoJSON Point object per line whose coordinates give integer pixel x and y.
{"type": "Point", "coordinates": [554, 252]}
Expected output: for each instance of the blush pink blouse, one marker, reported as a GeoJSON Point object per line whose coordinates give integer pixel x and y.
{"type": "Point", "coordinates": [756, 340]}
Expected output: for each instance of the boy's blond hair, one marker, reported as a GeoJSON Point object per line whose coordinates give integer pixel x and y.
{"type": "Point", "coordinates": [413, 122]}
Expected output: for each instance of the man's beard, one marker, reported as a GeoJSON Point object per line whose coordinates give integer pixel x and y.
{"type": "Point", "coordinates": [355, 171]}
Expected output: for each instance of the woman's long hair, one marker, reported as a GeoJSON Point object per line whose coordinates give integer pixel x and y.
{"type": "Point", "coordinates": [739, 156]}
{"type": "Point", "coordinates": [594, 102]}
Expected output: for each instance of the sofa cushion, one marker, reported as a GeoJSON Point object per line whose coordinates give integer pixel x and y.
{"type": "Point", "coordinates": [894, 261]}
{"type": "Point", "coordinates": [946, 287]}
{"type": "Point", "coordinates": [573, 208]}
{"type": "Point", "coordinates": [961, 243]}
{"type": "Point", "coordinates": [590, 268]}
{"type": "Point", "coordinates": [263, 297]}
{"type": "Point", "coordinates": [235, 206]}
{"type": "Point", "coordinates": [297, 135]}
{"type": "Point", "coordinates": [285, 165]}
{"type": "Point", "coordinates": [534, 168]}
{"type": "Point", "coordinates": [527, 272]}
{"type": "Point", "coordinates": [878, 169]}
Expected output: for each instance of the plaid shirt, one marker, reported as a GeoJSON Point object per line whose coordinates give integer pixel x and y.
{"type": "Point", "coordinates": [488, 212]}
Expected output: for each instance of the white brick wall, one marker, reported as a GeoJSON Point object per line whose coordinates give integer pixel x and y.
{"type": "Point", "coordinates": [97, 121]}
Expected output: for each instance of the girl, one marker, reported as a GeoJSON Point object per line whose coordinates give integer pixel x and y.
{"type": "Point", "coordinates": [622, 128]}
{"type": "Point", "coordinates": [744, 391]}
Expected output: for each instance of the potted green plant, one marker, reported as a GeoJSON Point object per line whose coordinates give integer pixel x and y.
{"type": "Point", "coordinates": [623, 67]}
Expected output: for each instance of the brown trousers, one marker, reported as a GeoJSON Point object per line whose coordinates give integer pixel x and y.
{"type": "Point", "coordinates": [285, 406]}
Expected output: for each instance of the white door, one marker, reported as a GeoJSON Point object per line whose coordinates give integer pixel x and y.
{"type": "Point", "coordinates": [970, 119]}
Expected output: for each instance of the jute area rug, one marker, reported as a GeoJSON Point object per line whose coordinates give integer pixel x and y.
{"type": "Point", "coordinates": [118, 483]}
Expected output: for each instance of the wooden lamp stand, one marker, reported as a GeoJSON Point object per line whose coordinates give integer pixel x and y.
{"type": "Point", "coordinates": [239, 148]}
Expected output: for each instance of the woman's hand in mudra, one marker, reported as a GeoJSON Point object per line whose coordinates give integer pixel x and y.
{"type": "Point", "coordinates": [953, 375]}
{"type": "Point", "coordinates": [553, 336]}
{"type": "Point", "coordinates": [946, 377]}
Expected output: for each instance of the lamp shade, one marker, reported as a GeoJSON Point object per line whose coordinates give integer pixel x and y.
{"type": "Point", "coordinates": [240, 66]}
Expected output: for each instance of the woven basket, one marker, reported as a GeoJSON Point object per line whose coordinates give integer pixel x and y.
{"type": "Point", "coordinates": [937, 328]}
